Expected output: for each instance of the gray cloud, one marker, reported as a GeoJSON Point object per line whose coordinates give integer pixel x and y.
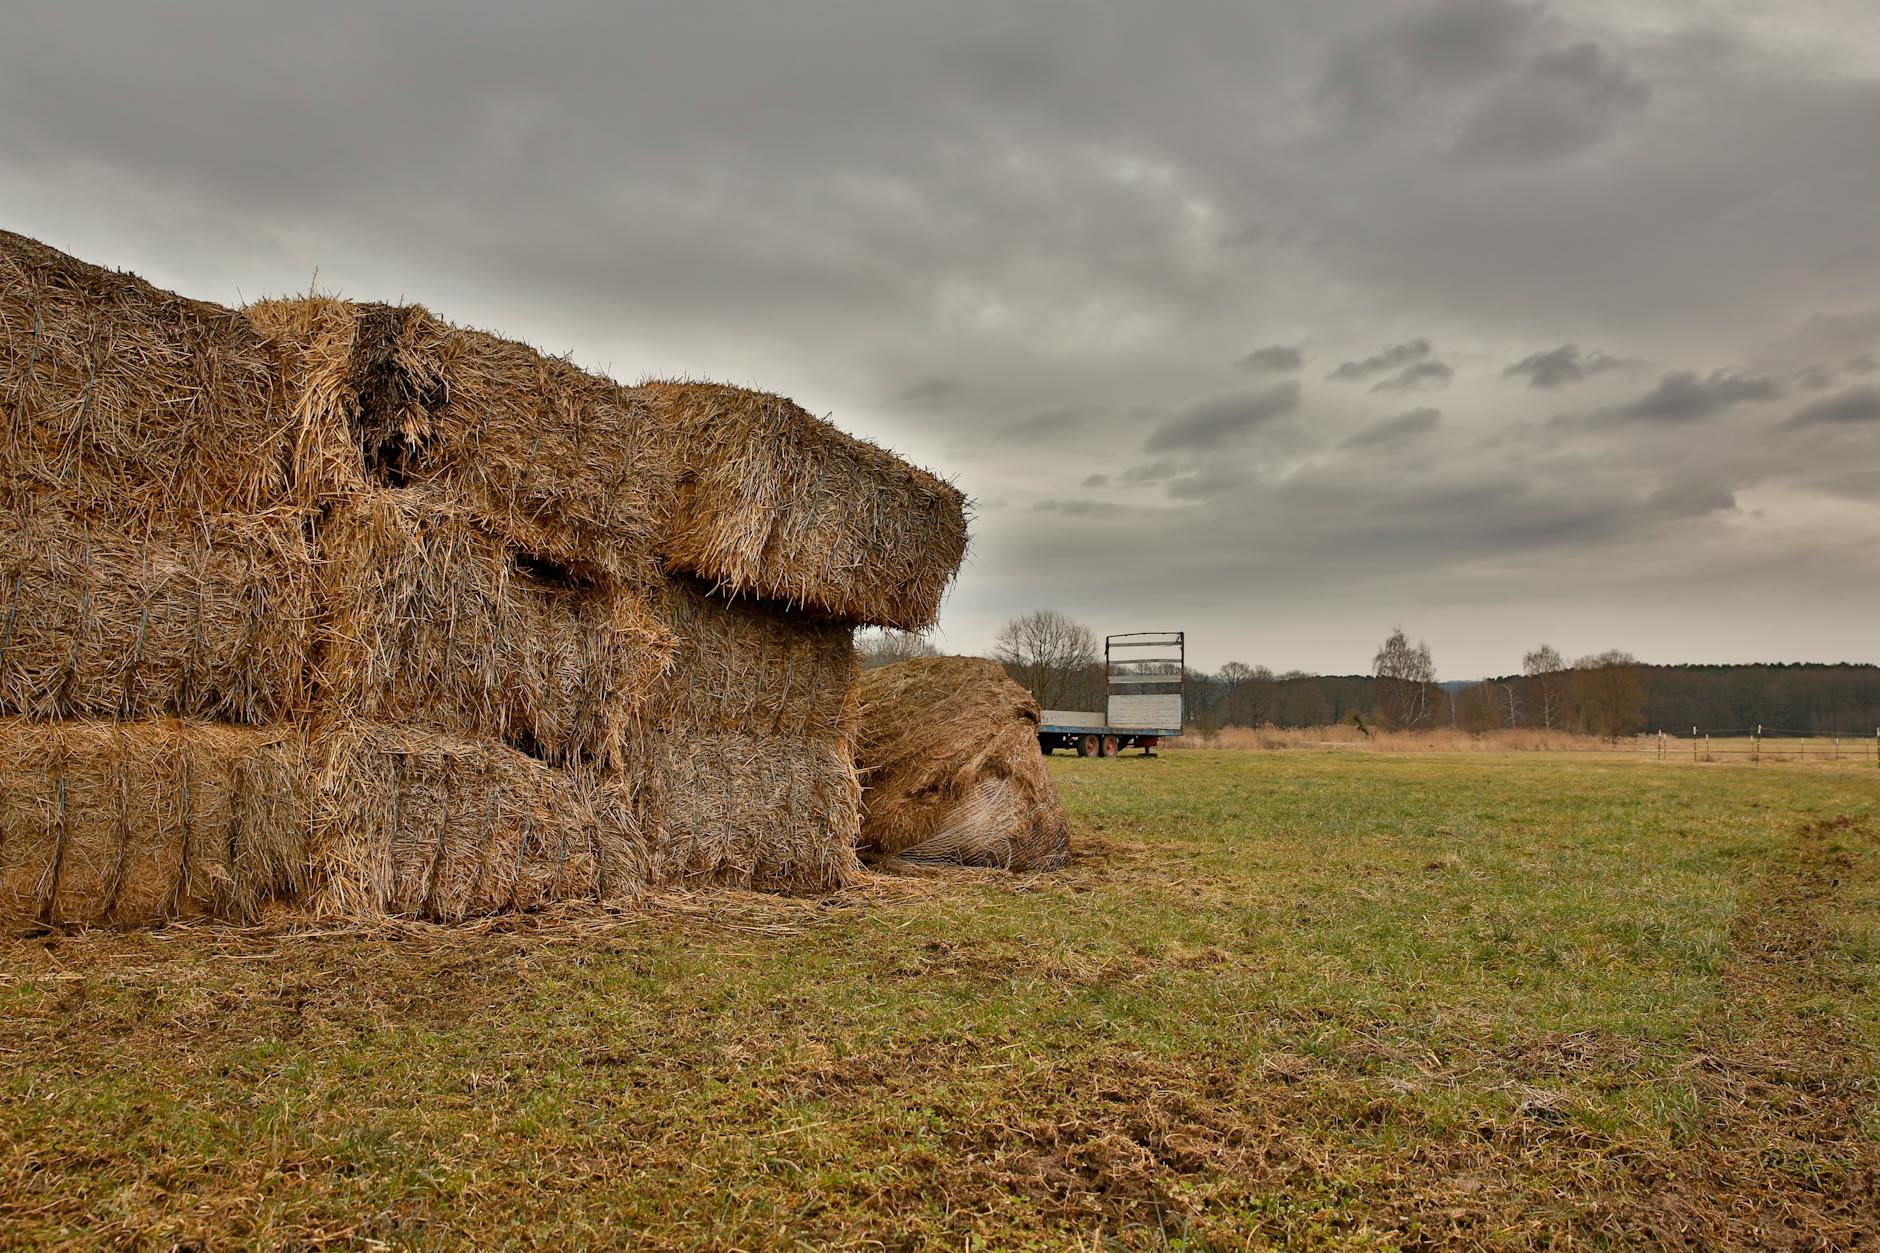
{"type": "Point", "coordinates": [928, 391]}
{"type": "Point", "coordinates": [1391, 358]}
{"type": "Point", "coordinates": [1684, 396]}
{"type": "Point", "coordinates": [1559, 366]}
{"type": "Point", "coordinates": [1566, 100]}
{"type": "Point", "coordinates": [1278, 359]}
{"type": "Point", "coordinates": [1211, 423]}
{"type": "Point", "coordinates": [1447, 45]}
{"type": "Point", "coordinates": [1084, 226]}
{"type": "Point", "coordinates": [1853, 407]}
{"type": "Point", "coordinates": [1431, 375]}
{"type": "Point", "coordinates": [1096, 480]}
{"type": "Point", "coordinates": [1866, 363]}
{"type": "Point", "coordinates": [1403, 428]}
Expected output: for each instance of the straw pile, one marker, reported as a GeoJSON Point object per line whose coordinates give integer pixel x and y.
{"type": "Point", "coordinates": [452, 627]}
{"type": "Point", "coordinates": [949, 755]}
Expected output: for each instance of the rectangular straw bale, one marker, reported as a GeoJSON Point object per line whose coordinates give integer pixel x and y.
{"type": "Point", "coordinates": [540, 451]}
{"type": "Point", "coordinates": [204, 616]}
{"type": "Point", "coordinates": [749, 666]}
{"type": "Point", "coordinates": [773, 813]}
{"type": "Point", "coordinates": [419, 825]}
{"type": "Point", "coordinates": [138, 822]}
{"type": "Point", "coordinates": [778, 504]}
{"type": "Point", "coordinates": [131, 397]}
{"type": "Point", "coordinates": [434, 622]}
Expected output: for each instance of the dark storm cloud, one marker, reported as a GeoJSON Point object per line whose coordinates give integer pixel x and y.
{"type": "Point", "coordinates": [1391, 358]}
{"type": "Point", "coordinates": [1566, 100]}
{"type": "Point", "coordinates": [1685, 396]}
{"type": "Point", "coordinates": [1559, 366]}
{"type": "Point", "coordinates": [1211, 423]}
{"type": "Point", "coordinates": [1854, 407]}
{"type": "Point", "coordinates": [1402, 429]}
{"type": "Point", "coordinates": [1278, 359]}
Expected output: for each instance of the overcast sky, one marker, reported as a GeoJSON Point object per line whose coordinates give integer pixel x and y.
{"type": "Point", "coordinates": [1281, 323]}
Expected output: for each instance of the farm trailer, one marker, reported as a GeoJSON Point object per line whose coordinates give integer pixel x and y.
{"type": "Point", "coordinates": [1145, 671]}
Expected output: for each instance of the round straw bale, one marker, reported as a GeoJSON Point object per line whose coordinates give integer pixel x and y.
{"type": "Point", "coordinates": [951, 771]}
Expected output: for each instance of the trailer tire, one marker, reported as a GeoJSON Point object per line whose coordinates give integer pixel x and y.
{"type": "Point", "coordinates": [1109, 746]}
{"type": "Point", "coordinates": [1087, 746]}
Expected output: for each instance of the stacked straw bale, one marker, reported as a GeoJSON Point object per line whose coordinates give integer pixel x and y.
{"type": "Point", "coordinates": [343, 602]}
{"type": "Point", "coordinates": [949, 757]}
{"type": "Point", "coordinates": [130, 823]}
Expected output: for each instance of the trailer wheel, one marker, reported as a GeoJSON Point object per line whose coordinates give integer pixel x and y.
{"type": "Point", "coordinates": [1109, 746]}
{"type": "Point", "coordinates": [1087, 746]}
{"type": "Point", "coordinates": [1044, 746]}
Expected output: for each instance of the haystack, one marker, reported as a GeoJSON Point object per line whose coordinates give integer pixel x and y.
{"type": "Point", "coordinates": [948, 751]}
{"type": "Point", "coordinates": [457, 628]}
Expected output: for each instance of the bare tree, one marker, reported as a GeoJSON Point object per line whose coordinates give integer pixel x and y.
{"type": "Point", "coordinates": [1247, 693]}
{"type": "Point", "coordinates": [886, 646]}
{"type": "Point", "coordinates": [1544, 666]}
{"type": "Point", "coordinates": [1406, 682]}
{"type": "Point", "coordinates": [1511, 702]}
{"type": "Point", "coordinates": [1048, 654]}
{"type": "Point", "coordinates": [1609, 690]}
{"type": "Point", "coordinates": [1477, 708]}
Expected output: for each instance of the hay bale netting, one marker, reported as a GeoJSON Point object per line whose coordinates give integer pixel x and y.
{"type": "Point", "coordinates": [435, 623]}
{"type": "Point", "coordinates": [129, 823]}
{"type": "Point", "coordinates": [414, 824]}
{"type": "Point", "coordinates": [749, 666]}
{"type": "Point", "coordinates": [130, 398]}
{"type": "Point", "coordinates": [203, 616]}
{"type": "Point", "coordinates": [951, 771]}
{"type": "Point", "coordinates": [778, 504]}
{"type": "Point", "coordinates": [544, 453]}
{"type": "Point", "coordinates": [772, 813]}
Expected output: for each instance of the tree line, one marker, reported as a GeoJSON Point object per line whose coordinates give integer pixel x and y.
{"type": "Point", "coordinates": [1609, 694]}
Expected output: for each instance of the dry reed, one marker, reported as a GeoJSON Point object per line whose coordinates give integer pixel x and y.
{"type": "Point", "coordinates": [543, 453]}
{"type": "Point", "coordinates": [1429, 740]}
{"type": "Point", "coordinates": [749, 666]}
{"type": "Point", "coordinates": [951, 768]}
{"type": "Point", "coordinates": [419, 825]}
{"type": "Point", "coordinates": [778, 504]}
{"type": "Point", "coordinates": [775, 813]}
{"type": "Point", "coordinates": [123, 823]}
{"type": "Point", "coordinates": [130, 400]}
{"type": "Point", "coordinates": [430, 621]}
{"type": "Point", "coordinates": [203, 616]}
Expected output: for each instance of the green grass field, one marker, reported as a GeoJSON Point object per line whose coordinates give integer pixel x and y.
{"type": "Point", "coordinates": [1356, 1000]}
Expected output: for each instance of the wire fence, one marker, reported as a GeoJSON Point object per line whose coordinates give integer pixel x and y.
{"type": "Point", "coordinates": [1762, 743]}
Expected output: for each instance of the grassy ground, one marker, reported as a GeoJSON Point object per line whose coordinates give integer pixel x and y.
{"type": "Point", "coordinates": [1342, 999]}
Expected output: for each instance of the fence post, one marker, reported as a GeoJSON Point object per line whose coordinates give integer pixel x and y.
{"type": "Point", "coordinates": [1693, 745]}
{"type": "Point", "coordinates": [1707, 754]}
{"type": "Point", "coordinates": [1755, 745]}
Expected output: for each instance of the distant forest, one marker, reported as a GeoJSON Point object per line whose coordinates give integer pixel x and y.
{"type": "Point", "coordinates": [1799, 698]}
{"type": "Point", "coordinates": [1610, 694]}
